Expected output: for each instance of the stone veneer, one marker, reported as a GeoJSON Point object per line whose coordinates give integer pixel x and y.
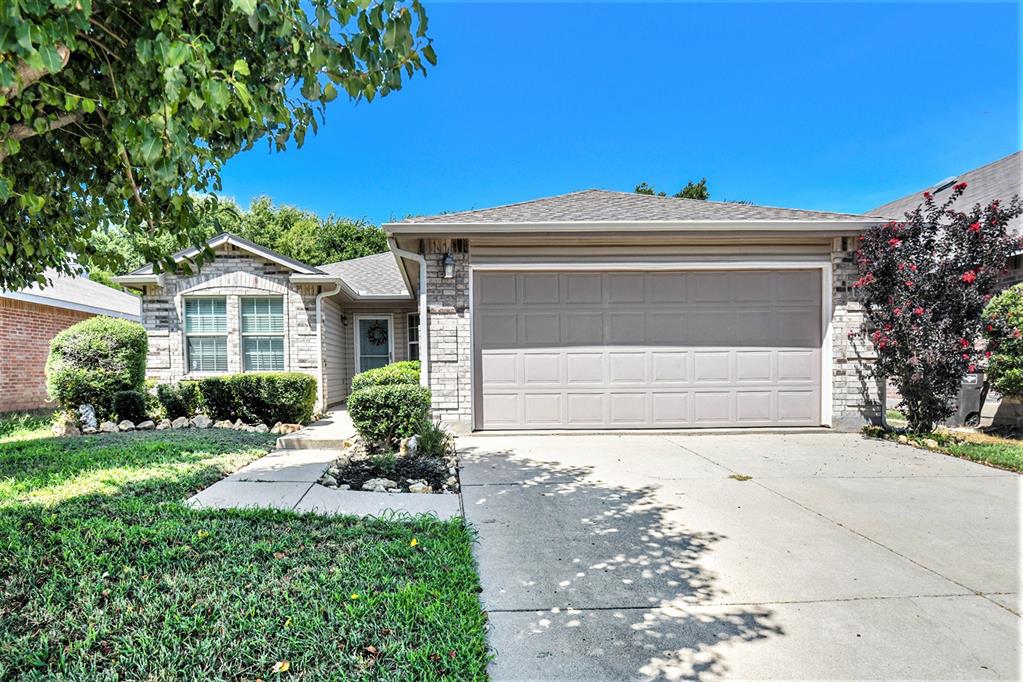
{"type": "Point", "coordinates": [856, 395]}
{"type": "Point", "coordinates": [234, 273]}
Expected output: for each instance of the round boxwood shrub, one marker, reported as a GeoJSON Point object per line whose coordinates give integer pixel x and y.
{"type": "Point", "coordinates": [386, 414]}
{"type": "Point", "coordinates": [402, 372]}
{"type": "Point", "coordinates": [179, 400]}
{"type": "Point", "coordinates": [91, 361]}
{"type": "Point", "coordinates": [1003, 320]}
{"type": "Point", "coordinates": [130, 405]}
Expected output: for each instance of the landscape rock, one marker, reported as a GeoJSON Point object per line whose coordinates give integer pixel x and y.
{"type": "Point", "coordinates": [147, 425]}
{"type": "Point", "coordinates": [87, 416]}
{"type": "Point", "coordinates": [260, 428]}
{"type": "Point", "coordinates": [284, 429]}
{"type": "Point", "coordinates": [408, 447]}
{"type": "Point", "coordinates": [65, 427]}
{"type": "Point", "coordinates": [378, 484]}
{"type": "Point", "coordinates": [902, 439]}
{"type": "Point", "coordinates": [88, 429]}
{"type": "Point", "coordinates": [223, 424]}
{"type": "Point", "coordinates": [390, 490]}
{"type": "Point", "coordinates": [179, 423]}
{"type": "Point", "coordinates": [344, 486]}
{"type": "Point", "coordinates": [328, 481]}
{"type": "Point", "coordinates": [201, 421]}
{"type": "Point", "coordinates": [451, 482]}
{"type": "Point", "coordinates": [930, 442]}
{"type": "Point", "coordinates": [163, 424]}
{"type": "Point", "coordinates": [239, 425]}
{"type": "Point", "coordinates": [126, 425]}
{"type": "Point", "coordinates": [420, 487]}
{"type": "Point", "coordinates": [108, 427]}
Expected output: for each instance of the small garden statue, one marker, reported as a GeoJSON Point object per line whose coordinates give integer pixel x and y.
{"type": "Point", "coordinates": [87, 417]}
{"type": "Point", "coordinates": [925, 282]}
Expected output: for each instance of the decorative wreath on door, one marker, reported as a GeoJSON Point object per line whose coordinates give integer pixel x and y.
{"type": "Point", "coordinates": [377, 334]}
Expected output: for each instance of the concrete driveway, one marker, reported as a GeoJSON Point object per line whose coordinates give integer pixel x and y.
{"type": "Point", "coordinates": [640, 556]}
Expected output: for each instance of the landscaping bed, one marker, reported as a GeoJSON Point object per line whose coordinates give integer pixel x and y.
{"type": "Point", "coordinates": [409, 470]}
{"type": "Point", "coordinates": [992, 448]}
{"type": "Point", "coordinates": [107, 574]}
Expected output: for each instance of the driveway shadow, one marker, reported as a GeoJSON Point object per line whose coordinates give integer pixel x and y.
{"type": "Point", "coordinates": [583, 579]}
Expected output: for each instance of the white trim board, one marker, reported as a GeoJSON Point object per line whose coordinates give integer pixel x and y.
{"type": "Point", "coordinates": [824, 266]}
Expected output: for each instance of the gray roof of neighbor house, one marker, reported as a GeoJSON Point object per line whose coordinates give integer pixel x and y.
{"type": "Point", "coordinates": [82, 294]}
{"type": "Point", "coordinates": [598, 205]}
{"type": "Point", "coordinates": [1001, 179]}
{"type": "Point", "coordinates": [376, 275]}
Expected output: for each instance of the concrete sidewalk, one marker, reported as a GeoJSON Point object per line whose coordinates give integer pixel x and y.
{"type": "Point", "coordinates": [287, 479]}
{"type": "Point", "coordinates": [642, 557]}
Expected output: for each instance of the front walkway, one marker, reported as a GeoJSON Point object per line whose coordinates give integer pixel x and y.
{"type": "Point", "coordinates": [745, 556]}
{"type": "Point", "coordinates": [287, 479]}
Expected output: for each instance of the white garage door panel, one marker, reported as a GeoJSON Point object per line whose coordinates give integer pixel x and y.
{"type": "Point", "coordinates": [653, 350]}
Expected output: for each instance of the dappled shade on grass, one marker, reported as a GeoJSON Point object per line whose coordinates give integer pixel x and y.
{"type": "Point", "coordinates": [106, 573]}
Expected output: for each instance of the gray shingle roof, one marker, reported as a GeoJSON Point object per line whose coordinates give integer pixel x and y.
{"type": "Point", "coordinates": [1001, 179]}
{"type": "Point", "coordinates": [376, 275]}
{"type": "Point", "coordinates": [81, 293]}
{"type": "Point", "coordinates": [597, 205]}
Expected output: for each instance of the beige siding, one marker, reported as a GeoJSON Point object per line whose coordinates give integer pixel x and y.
{"type": "Point", "coordinates": [335, 385]}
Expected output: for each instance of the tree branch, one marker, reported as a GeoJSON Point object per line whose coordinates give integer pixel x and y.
{"type": "Point", "coordinates": [25, 75]}
{"type": "Point", "coordinates": [21, 132]}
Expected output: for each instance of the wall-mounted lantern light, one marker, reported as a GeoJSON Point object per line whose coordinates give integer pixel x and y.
{"type": "Point", "coordinates": [449, 265]}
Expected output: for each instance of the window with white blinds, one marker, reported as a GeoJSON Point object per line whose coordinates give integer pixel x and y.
{"type": "Point", "coordinates": [262, 332]}
{"type": "Point", "coordinates": [206, 334]}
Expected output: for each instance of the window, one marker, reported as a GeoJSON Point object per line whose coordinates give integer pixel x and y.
{"type": "Point", "coordinates": [262, 334]}
{"type": "Point", "coordinates": [206, 334]}
{"type": "Point", "coordinates": [413, 336]}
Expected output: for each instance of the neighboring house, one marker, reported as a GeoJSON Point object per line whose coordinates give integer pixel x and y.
{"type": "Point", "coordinates": [590, 310]}
{"type": "Point", "coordinates": [1001, 180]}
{"type": "Point", "coordinates": [31, 317]}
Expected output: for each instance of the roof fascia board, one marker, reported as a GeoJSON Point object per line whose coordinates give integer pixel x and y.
{"type": "Point", "coordinates": [251, 248]}
{"type": "Point", "coordinates": [632, 225]}
{"type": "Point", "coordinates": [139, 280]}
{"type": "Point", "coordinates": [68, 305]}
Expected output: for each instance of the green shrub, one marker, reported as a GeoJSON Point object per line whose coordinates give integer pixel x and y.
{"type": "Point", "coordinates": [434, 441]}
{"type": "Point", "coordinates": [130, 405]}
{"type": "Point", "coordinates": [1003, 320]}
{"type": "Point", "coordinates": [403, 372]}
{"type": "Point", "coordinates": [219, 399]}
{"type": "Point", "coordinates": [153, 407]}
{"type": "Point", "coordinates": [271, 397]}
{"type": "Point", "coordinates": [179, 400]}
{"type": "Point", "coordinates": [91, 361]}
{"type": "Point", "coordinates": [386, 414]}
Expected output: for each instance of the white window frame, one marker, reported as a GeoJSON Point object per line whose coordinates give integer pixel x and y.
{"type": "Point", "coordinates": [408, 334]}
{"type": "Point", "coordinates": [390, 338]}
{"type": "Point", "coordinates": [281, 334]}
{"type": "Point", "coordinates": [186, 334]}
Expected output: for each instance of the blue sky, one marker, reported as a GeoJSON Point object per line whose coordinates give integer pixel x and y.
{"type": "Point", "coordinates": [822, 106]}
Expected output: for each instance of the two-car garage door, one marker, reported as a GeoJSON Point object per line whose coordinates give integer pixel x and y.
{"type": "Point", "coordinates": [659, 349]}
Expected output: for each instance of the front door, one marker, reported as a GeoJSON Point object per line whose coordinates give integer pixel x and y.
{"type": "Point", "coordinates": [373, 343]}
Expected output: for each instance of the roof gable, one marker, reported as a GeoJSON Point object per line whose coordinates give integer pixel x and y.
{"type": "Point", "coordinates": [245, 245]}
{"type": "Point", "coordinates": [604, 206]}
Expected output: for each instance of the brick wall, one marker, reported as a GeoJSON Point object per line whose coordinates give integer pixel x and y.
{"type": "Point", "coordinates": [448, 324]}
{"type": "Point", "coordinates": [26, 330]}
{"type": "Point", "coordinates": [856, 395]}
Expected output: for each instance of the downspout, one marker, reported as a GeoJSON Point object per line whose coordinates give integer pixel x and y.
{"type": "Point", "coordinates": [319, 337]}
{"type": "Point", "coordinates": [424, 337]}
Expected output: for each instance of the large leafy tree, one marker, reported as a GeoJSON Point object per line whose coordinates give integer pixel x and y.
{"type": "Point", "coordinates": [925, 282]}
{"type": "Point", "coordinates": [692, 190]}
{"type": "Point", "coordinates": [123, 112]}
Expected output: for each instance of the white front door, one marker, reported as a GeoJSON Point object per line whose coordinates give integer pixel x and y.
{"type": "Point", "coordinates": [374, 343]}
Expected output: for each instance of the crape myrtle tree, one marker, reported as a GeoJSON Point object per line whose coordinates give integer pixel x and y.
{"type": "Point", "coordinates": [122, 112]}
{"type": "Point", "coordinates": [925, 282]}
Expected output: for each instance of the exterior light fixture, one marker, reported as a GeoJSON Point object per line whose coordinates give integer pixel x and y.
{"type": "Point", "coordinates": [449, 265]}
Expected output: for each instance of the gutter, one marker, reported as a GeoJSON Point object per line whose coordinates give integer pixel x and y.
{"type": "Point", "coordinates": [319, 338]}
{"type": "Point", "coordinates": [424, 337]}
{"type": "Point", "coordinates": [630, 226]}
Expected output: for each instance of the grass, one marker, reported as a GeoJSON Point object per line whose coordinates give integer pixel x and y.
{"type": "Point", "coordinates": [25, 425]}
{"type": "Point", "coordinates": [105, 574]}
{"type": "Point", "coordinates": [984, 448]}
{"type": "Point", "coordinates": [895, 418]}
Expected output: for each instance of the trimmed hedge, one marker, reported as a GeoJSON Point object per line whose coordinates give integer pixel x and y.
{"type": "Point", "coordinates": [253, 397]}
{"type": "Point", "coordinates": [91, 361]}
{"type": "Point", "coordinates": [402, 372]}
{"type": "Point", "coordinates": [130, 405]}
{"type": "Point", "coordinates": [386, 414]}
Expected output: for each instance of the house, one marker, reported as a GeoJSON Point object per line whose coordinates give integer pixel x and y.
{"type": "Point", "coordinates": [999, 180]}
{"type": "Point", "coordinates": [31, 317]}
{"type": "Point", "coordinates": [589, 310]}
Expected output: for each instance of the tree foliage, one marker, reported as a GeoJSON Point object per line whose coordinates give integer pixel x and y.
{"type": "Point", "coordinates": [925, 282]}
{"type": "Point", "coordinates": [1003, 320]}
{"type": "Point", "coordinates": [124, 112]}
{"type": "Point", "coordinates": [290, 231]}
{"type": "Point", "coordinates": [692, 190]}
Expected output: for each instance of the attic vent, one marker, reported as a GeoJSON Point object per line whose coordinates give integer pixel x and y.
{"type": "Point", "coordinates": [944, 184]}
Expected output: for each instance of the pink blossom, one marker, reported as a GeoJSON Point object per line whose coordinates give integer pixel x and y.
{"type": "Point", "coordinates": [974, 227]}
{"type": "Point", "coordinates": [894, 241]}
{"type": "Point", "coordinates": [969, 277]}
{"type": "Point", "coordinates": [918, 311]}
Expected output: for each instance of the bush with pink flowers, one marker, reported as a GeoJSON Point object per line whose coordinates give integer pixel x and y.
{"type": "Point", "coordinates": [924, 283]}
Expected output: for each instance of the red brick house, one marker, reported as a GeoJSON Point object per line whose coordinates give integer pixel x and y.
{"type": "Point", "coordinates": [30, 318]}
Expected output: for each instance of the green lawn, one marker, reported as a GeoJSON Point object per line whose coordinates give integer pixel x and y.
{"type": "Point", "coordinates": [25, 425]}
{"type": "Point", "coordinates": [1004, 453]}
{"type": "Point", "coordinates": [105, 574]}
